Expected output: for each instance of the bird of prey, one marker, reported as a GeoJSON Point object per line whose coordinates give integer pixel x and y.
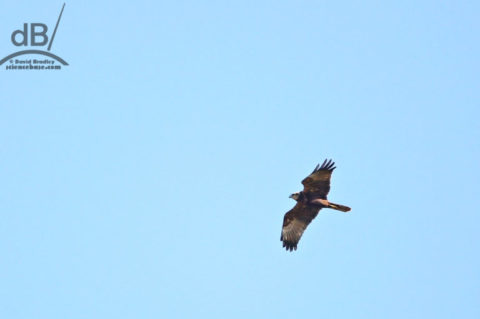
{"type": "Point", "coordinates": [309, 202]}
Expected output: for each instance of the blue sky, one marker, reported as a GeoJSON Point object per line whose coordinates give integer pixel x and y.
{"type": "Point", "coordinates": [150, 176]}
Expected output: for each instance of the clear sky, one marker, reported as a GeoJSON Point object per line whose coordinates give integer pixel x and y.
{"type": "Point", "coordinates": [150, 176]}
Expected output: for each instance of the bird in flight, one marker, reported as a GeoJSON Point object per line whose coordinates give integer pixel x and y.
{"type": "Point", "coordinates": [309, 202]}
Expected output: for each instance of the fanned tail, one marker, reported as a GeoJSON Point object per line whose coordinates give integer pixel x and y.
{"type": "Point", "coordinates": [339, 207]}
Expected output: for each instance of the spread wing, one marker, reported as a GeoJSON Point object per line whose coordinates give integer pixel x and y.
{"type": "Point", "coordinates": [318, 182]}
{"type": "Point", "coordinates": [295, 222]}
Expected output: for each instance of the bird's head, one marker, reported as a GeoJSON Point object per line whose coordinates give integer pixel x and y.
{"type": "Point", "coordinates": [295, 196]}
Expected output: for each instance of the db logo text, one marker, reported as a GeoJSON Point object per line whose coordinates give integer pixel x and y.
{"type": "Point", "coordinates": [34, 35]}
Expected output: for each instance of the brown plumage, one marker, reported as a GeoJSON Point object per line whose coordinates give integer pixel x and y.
{"type": "Point", "coordinates": [309, 202]}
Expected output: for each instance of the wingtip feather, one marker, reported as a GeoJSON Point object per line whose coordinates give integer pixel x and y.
{"type": "Point", "coordinates": [328, 164]}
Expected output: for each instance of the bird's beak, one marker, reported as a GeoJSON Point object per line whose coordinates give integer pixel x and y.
{"type": "Point", "coordinates": [291, 196]}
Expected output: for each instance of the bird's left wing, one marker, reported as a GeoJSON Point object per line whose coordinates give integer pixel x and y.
{"type": "Point", "coordinates": [318, 182]}
{"type": "Point", "coordinates": [295, 222]}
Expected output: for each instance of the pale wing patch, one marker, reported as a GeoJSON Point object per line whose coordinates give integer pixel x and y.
{"type": "Point", "coordinates": [320, 201]}
{"type": "Point", "coordinates": [293, 231]}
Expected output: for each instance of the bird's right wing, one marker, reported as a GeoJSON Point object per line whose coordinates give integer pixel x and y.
{"type": "Point", "coordinates": [295, 222]}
